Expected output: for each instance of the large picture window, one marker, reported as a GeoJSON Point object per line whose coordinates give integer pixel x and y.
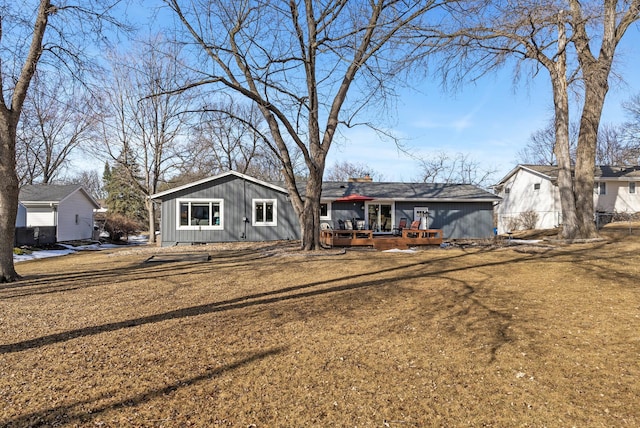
{"type": "Point", "coordinates": [265, 212]}
{"type": "Point", "coordinates": [200, 213]}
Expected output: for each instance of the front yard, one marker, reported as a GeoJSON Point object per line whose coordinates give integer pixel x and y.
{"type": "Point", "coordinates": [263, 336]}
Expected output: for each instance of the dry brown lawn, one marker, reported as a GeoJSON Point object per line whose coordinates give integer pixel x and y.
{"type": "Point", "coordinates": [264, 336]}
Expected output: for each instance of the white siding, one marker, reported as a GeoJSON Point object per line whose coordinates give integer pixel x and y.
{"type": "Point", "coordinates": [75, 206]}
{"type": "Point", "coordinates": [522, 196]}
{"type": "Point", "coordinates": [617, 198]}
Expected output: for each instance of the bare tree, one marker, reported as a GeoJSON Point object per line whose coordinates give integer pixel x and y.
{"type": "Point", "coordinates": [539, 150]}
{"type": "Point", "coordinates": [230, 136]}
{"type": "Point", "coordinates": [459, 168]}
{"type": "Point", "coordinates": [40, 32]}
{"type": "Point", "coordinates": [612, 148]}
{"type": "Point", "coordinates": [90, 180]}
{"type": "Point", "coordinates": [297, 61]}
{"type": "Point", "coordinates": [144, 119]}
{"type": "Point", "coordinates": [344, 170]}
{"type": "Point", "coordinates": [58, 119]}
{"type": "Point", "coordinates": [556, 37]}
{"type": "Point", "coordinates": [632, 125]}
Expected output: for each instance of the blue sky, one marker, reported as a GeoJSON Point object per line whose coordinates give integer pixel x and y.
{"type": "Point", "coordinates": [490, 120]}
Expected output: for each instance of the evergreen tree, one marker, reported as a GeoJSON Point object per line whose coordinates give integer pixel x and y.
{"type": "Point", "coordinates": [121, 183]}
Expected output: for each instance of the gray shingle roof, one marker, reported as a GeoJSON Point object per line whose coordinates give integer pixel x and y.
{"type": "Point", "coordinates": [48, 192]}
{"type": "Point", "coordinates": [332, 190]}
{"type": "Point", "coordinates": [408, 191]}
{"type": "Point", "coordinates": [602, 171]}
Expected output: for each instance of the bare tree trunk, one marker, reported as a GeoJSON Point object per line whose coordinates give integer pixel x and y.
{"type": "Point", "coordinates": [310, 220]}
{"type": "Point", "coordinates": [8, 195]}
{"type": "Point", "coordinates": [562, 147]}
{"type": "Point", "coordinates": [595, 92]}
{"type": "Point", "coordinates": [151, 212]}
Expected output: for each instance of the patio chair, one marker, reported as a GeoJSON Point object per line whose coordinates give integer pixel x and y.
{"type": "Point", "coordinates": [348, 225]}
{"type": "Point", "coordinates": [397, 231]}
{"type": "Point", "coordinates": [415, 225]}
{"type": "Point", "coordinates": [341, 225]}
{"type": "Point", "coordinates": [360, 224]}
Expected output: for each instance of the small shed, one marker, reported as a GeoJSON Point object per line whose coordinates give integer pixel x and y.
{"type": "Point", "coordinates": [68, 208]}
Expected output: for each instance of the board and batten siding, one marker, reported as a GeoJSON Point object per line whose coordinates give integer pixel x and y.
{"type": "Point", "coordinates": [237, 195]}
{"type": "Point", "coordinates": [458, 220]}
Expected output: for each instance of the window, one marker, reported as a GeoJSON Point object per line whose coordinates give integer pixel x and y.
{"type": "Point", "coordinates": [507, 190]}
{"type": "Point", "coordinates": [265, 212]}
{"type": "Point", "coordinates": [325, 210]}
{"type": "Point", "coordinates": [77, 219]}
{"type": "Point", "coordinates": [632, 187]}
{"type": "Point", "coordinates": [600, 188]}
{"type": "Point", "coordinates": [200, 213]}
{"type": "Point", "coordinates": [536, 186]}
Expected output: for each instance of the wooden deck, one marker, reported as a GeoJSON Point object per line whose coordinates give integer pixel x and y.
{"type": "Point", "coordinates": [359, 238]}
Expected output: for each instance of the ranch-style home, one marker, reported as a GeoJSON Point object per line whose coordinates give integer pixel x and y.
{"type": "Point", "coordinates": [64, 211]}
{"type": "Point", "coordinates": [236, 207]}
{"type": "Point", "coordinates": [534, 189]}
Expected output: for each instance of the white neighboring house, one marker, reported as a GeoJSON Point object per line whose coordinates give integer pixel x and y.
{"type": "Point", "coordinates": [67, 207]}
{"type": "Point", "coordinates": [534, 188]}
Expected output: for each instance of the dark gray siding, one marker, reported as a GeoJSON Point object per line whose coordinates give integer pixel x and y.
{"type": "Point", "coordinates": [458, 220]}
{"type": "Point", "coordinates": [345, 211]}
{"type": "Point", "coordinates": [237, 194]}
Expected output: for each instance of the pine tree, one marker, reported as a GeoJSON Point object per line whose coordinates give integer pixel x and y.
{"type": "Point", "coordinates": [124, 195]}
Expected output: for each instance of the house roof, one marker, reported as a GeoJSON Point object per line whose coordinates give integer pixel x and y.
{"type": "Point", "coordinates": [160, 195]}
{"type": "Point", "coordinates": [601, 172]}
{"type": "Point", "coordinates": [51, 193]}
{"type": "Point", "coordinates": [332, 190]}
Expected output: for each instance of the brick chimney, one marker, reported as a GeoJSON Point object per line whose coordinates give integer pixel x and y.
{"type": "Point", "coordinates": [366, 179]}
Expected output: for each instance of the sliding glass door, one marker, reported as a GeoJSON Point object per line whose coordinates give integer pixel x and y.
{"type": "Point", "coordinates": [379, 217]}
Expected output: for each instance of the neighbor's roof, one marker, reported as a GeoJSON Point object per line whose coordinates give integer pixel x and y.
{"type": "Point", "coordinates": [600, 172]}
{"type": "Point", "coordinates": [51, 193]}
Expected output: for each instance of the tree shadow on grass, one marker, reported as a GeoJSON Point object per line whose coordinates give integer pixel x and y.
{"type": "Point", "coordinates": [74, 413]}
{"type": "Point", "coordinates": [324, 287]}
{"type": "Point", "coordinates": [32, 285]}
{"type": "Point", "coordinates": [405, 272]}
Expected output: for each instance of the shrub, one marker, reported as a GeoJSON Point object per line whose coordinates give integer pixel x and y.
{"type": "Point", "coordinates": [119, 226]}
{"type": "Point", "coordinates": [529, 219]}
{"type": "Point", "coordinates": [513, 224]}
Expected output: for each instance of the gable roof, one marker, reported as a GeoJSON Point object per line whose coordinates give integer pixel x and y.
{"type": "Point", "coordinates": [160, 195]}
{"type": "Point", "coordinates": [601, 172]}
{"type": "Point", "coordinates": [51, 193]}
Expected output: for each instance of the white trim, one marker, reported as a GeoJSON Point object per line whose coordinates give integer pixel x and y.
{"type": "Point", "coordinates": [328, 216]}
{"type": "Point", "coordinates": [255, 222]}
{"type": "Point", "coordinates": [390, 202]}
{"type": "Point", "coordinates": [210, 201]}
